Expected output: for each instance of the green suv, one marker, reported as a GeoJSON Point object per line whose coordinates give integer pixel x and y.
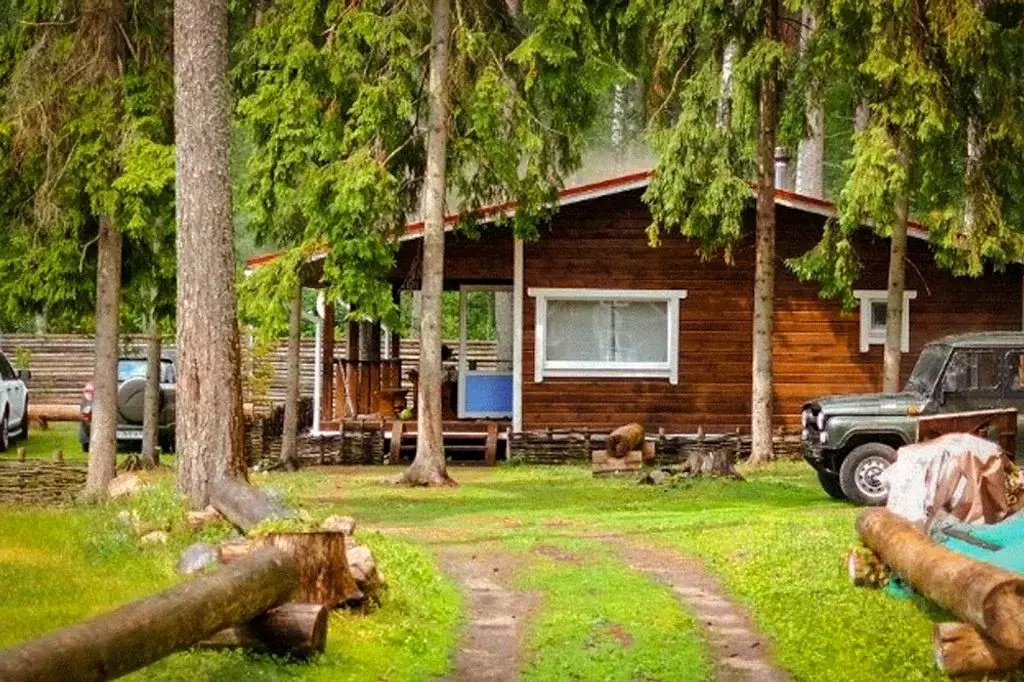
{"type": "Point", "coordinates": [851, 439]}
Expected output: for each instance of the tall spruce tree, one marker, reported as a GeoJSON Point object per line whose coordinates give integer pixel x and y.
{"type": "Point", "coordinates": [923, 70]}
{"type": "Point", "coordinates": [84, 129]}
{"type": "Point", "coordinates": [341, 103]}
{"type": "Point", "coordinates": [716, 70]}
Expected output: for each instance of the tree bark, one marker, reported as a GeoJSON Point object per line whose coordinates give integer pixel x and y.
{"type": "Point", "coordinates": [244, 505]}
{"type": "Point", "coordinates": [896, 285]}
{"type": "Point", "coordinates": [861, 117]}
{"type": "Point", "coordinates": [962, 650]}
{"type": "Point", "coordinates": [324, 575]}
{"type": "Point", "coordinates": [145, 631]}
{"type": "Point", "coordinates": [988, 597]}
{"type": "Point", "coordinates": [290, 433]}
{"type": "Point", "coordinates": [810, 164]}
{"type": "Point", "coordinates": [151, 415]}
{"type": "Point", "coordinates": [428, 467]}
{"type": "Point", "coordinates": [103, 432]}
{"type": "Point", "coordinates": [292, 629]}
{"type": "Point", "coordinates": [764, 262]}
{"type": "Point", "coordinates": [209, 401]}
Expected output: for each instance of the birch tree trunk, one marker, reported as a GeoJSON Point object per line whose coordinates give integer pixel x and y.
{"type": "Point", "coordinates": [103, 432]}
{"type": "Point", "coordinates": [209, 414]}
{"type": "Point", "coordinates": [764, 263]}
{"type": "Point", "coordinates": [428, 468]}
{"type": "Point", "coordinates": [896, 285]}
{"type": "Point", "coordinates": [290, 433]}
{"type": "Point", "coordinates": [810, 163]}
{"type": "Point", "coordinates": [151, 411]}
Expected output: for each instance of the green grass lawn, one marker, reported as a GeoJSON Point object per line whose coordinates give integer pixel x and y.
{"type": "Point", "coordinates": [776, 541]}
{"type": "Point", "coordinates": [41, 444]}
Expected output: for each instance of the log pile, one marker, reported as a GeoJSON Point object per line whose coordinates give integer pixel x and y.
{"type": "Point", "coordinates": [988, 599]}
{"type": "Point", "coordinates": [358, 444]}
{"type": "Point", "coordinates": [39, 482]}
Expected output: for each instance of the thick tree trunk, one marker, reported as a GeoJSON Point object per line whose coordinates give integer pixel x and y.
{"type": "Point", "coordinates": [764, 263]}
{"type": "Point", "coordinates": [292, 629]}
{"type": "Point", "coordinates": [988, 597]}
{"type": "Point", "coordinates": [428, 468]}
{"type": "Point", "coordinates": [861, 117]}
{"type": "Point", "coordinates": [894, 305]}
{"type": "Point", "coordinates": [151, 414]}
{"type": "Point", "coordinates": [145, 631]}
{"type": "Point", "coordinates": [245, 505]}
{"type": "Point", "coordinates": [810, 164]}
{"type": "Point", "coordinates": [962, 650]}
{"type": "Point", "coordinates": [324, 575]}
{"type": "Point", "coordinates": [290, 433]}
{"type": "Point", "coordinates": [209, 400]}
{"type": "Point", "coordinates": [103, 433]}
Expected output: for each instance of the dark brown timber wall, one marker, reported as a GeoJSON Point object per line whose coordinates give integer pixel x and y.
{"type": "Point", "coordinates": [601, 244]}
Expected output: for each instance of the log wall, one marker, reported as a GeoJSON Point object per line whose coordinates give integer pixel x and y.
{"type": "Point", "coordinates": [601, 244]}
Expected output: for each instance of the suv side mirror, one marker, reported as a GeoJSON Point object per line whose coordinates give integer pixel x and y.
{"type": "Point", "coordinates": [24, 374]}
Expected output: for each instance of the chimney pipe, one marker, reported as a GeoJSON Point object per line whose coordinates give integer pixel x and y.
{"type": "Point", "coordinates": [783, 178]}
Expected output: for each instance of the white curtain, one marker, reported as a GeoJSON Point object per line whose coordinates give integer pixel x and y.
{"type": "Point", "coordinates": [606, 331]}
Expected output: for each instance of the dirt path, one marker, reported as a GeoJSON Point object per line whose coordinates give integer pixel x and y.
{"type": "Point", "coordinates": [739, 651]}
{"type": "Point", "coordinates": [492, 642]}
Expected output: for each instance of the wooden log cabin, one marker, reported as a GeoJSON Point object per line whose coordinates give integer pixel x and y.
{"type": "Point", "coordinates": [608, 330]}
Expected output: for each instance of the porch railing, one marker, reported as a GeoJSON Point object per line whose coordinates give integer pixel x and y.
{"type": "Point", "coordinates": [364, 387]}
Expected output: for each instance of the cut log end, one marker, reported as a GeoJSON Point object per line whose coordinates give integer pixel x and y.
{"type": "Point", "coordinates": [962, 650]}
{"type": "Point", "coordinates": [293, 629]}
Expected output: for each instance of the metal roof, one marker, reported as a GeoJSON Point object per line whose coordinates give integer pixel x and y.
{"type": "Point", "coordinates": [983, 340]}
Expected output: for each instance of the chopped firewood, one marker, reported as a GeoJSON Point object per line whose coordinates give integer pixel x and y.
{"type": "Point", "coordinates": [962, 650]}
{"type": "Point", "coordinates": [624, 439]}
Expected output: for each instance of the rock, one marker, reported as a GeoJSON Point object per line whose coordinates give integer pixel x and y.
{"type": "Point", "coordinates": [197, 520]}
{"type": "Point", "coordinates": [196, 557]}
{"type": "Point", "coordinates": [233, 550]}
{"type": "Point", "coordinates": [125, 485]}
{"type": "Point", "coordinates": [154, 537]}
{"type": "Point", "coordinates": [367, 577]}
{"type": "Point", "coordinates": [656, 477]}
{"type": "Point", "coordinates": [339, 524]}
{"type": "Point", "coordinates": [125, 518]}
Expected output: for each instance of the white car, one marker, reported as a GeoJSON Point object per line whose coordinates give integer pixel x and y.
{"type": "Point", "coordinates": [13, 403]}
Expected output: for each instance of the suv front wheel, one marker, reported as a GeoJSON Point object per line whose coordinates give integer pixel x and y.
{"type": "Point", "coordinates": [859, 475]}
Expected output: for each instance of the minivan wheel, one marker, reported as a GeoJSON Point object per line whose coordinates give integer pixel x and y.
{"type": "Point", "coordinates": [859, 476]}
{"type": "Point", "coordinates": [830, 484]}
{"type": "Point", "coordinates": [5, 433]}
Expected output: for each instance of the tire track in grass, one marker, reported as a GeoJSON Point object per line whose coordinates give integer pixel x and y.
{"type": "Point", "coordinates": [492, 641]}
{"type": "Point", "coordinates": [740, 652]}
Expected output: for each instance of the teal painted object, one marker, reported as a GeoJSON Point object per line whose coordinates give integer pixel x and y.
{"type": "Point", "coordinates": [1008, 535]}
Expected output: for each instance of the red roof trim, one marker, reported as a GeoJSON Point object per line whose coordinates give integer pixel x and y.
{"type": "Point", "coordinates": [603, 187]}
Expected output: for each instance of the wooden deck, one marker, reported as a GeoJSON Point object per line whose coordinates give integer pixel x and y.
{"type": "Point", "coordinates": [466, 441]}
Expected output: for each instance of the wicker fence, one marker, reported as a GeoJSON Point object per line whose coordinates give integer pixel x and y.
{"type": "Point", "coordinates": [61, 364]}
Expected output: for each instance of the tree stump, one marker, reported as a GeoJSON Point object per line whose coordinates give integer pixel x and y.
{"type": "Point", "coordinates": [324, 574]}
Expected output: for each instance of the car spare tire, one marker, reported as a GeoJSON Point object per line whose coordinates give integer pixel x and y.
{"type": "Point", "coordinates": [131, 400]}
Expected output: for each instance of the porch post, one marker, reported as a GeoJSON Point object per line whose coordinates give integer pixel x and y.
{"type": "Point", "coordinates": [318, 363]}
{"type": "Point", "coordinates": [326, 363]}
{"type": "Point", "coordinates": [517, 336]}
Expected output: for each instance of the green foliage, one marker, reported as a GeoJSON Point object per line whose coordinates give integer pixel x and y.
{"type": "Point", "coordinates": [301, 522]}
{"type": "Point", "coordinates": [705, 135]}
{"type": "Point", "coordinates": [945, 130]}
{"type": "Point", "coordinates": [333, 99]}
{"type": "Point", "coordinates": [79, 141]}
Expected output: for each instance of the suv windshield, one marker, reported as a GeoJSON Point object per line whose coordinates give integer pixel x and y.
{"type": "Point", "coordinates": [132, 368]}
{"type": "Point", "coordinates": [926, 371]}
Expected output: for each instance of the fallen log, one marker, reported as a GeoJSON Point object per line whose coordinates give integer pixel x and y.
{"type": "Point", "coordinates": [245, 505]}
{"type": "Point", "coordinates": [624, 439]}
{"type": "Point", "coordinates": [962, 650]}
{"type": "Point", "coordinates": [324, 574]}
{"type": "Point", "coordinates": [144, 631]}
{"type": "Point", "coordinates": [292, 629]}
{"type": "Point", "coordinates": [988, 597]}
{"type": "Point", "coordinates": [43, 414]}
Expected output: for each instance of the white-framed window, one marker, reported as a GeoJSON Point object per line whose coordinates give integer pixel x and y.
{"type": "Point", "coordinates": [607, 333]}
{"type": "Point", "coordinates": [873, 311]}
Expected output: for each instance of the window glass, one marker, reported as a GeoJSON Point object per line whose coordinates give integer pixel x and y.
{"type": "Point", "coordinates": [1015, 366]}
{"type": "Point", "coordinates": [971, 371]}
{"type": "Point", "coordinates": [624, 331]}
{"type": "Point", "coordinates": [878, 315]}
{"type": "Point", "coordinates": [7, 372]}
{"type": "Point", "coordinates": [130, 369]}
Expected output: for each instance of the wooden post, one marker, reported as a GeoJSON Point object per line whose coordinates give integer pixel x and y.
{"type": "Point", "coordinates": [327, 363]}
{"type": "Point", "coordinates": [352, 369]}
{"type": "Point", "coordinates": [396, 441]}
{"type": "Point", "coordinates": [144, 631]}
{"type": "Point", "coordinates": [491, 445]}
